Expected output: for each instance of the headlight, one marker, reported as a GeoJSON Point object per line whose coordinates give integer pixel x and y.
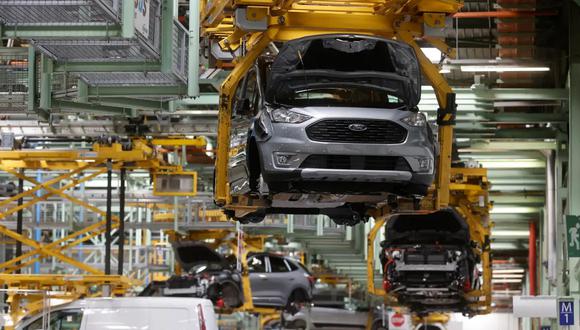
{"type": "Point", "coordinates": [287, 116]}
{"type": "Point", "coordinates": [416, 119]}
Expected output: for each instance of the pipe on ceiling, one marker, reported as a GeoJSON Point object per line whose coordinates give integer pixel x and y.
{"type": "Point", "coordinates": [532, 268]}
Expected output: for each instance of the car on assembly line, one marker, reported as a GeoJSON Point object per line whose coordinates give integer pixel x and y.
{"type": "Point", "coordinates": [152, 313]}
{"type": "Point", "coordinates": [330, 125]}
{"type": "Point", "coordinates": [429, 261]}
{"type": "Point", "coordinates": [279, 281]}
{"type": "Point", "coordinates": [205, 274]}
{"type": "Point", "coordinates": [334, 309]}
{"type": "Point", "coordinates": [276, 281]}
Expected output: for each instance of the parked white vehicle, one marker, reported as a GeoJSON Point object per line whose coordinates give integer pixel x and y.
{"type": "Point", "coordinates": [130, 313]}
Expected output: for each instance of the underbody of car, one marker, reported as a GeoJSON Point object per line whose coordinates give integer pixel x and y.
{"type": "Point", "coordinates": [331, 125]}
{"type": "Point", "coordinates": [429, 262]}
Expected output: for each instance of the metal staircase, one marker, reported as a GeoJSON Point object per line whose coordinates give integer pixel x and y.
{"type": "Point", "coordinates": [346, 256]}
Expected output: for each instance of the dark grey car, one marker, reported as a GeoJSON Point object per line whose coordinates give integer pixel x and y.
{"type": "Point", "coordinates": [276, 281]}
{"type": "Point", "coordinates": [330, 125]}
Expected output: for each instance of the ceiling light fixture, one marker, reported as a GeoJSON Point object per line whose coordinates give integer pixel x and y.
{"type": "Point", "coordinates": [503, 68]}
{"type": "Point", "coordinates": [508, 275]}
{"type": "Point", "coordinates": [510, 233]}
{"type": "Point", "coordinates": [509, 271]}
{"type": "Point", "coordinates": [507, 280]}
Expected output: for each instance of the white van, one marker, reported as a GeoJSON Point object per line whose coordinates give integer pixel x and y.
{"type": "Point", "coordinates": [129, 313]}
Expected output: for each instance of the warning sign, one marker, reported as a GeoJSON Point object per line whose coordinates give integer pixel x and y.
{"type": "Point", "coordinates": [399, 321]}
{"type": "Point", "coordinates": [573, 235]}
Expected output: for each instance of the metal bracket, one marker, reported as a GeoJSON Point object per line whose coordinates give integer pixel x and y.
{"type": "Point", "coordinates": [446, 116]}
{"type": "Point", "coordinates": [251, 18]}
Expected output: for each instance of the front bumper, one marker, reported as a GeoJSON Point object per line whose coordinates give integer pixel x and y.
{"type": "Point", "coordinates": [284, 154]}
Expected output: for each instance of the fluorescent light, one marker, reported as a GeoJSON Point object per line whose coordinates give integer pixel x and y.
{"type": "Point", "coordinates": [509, 271]}
{"type": "Point", "coordinates": [443, 71]}
{"type": "Point", "coordinates": [507, 280]}
{"type": "Point", "coordinates": [503, 68]}
{"type": "Point", "coordinates": [510, 233]}
{"type": "Point", "coordinates": [514, 209]}
{"type": "Point", "coordinates": [433, 54]}
{"type": "Point", "coordinates": [508, 275]}
{"type": "Point", "coordinates": [513, 163]}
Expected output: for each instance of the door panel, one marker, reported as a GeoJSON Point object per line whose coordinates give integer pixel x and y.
{"type": "Point", "coordinates": [258, 279]}
{"type": "Point", "coordinates": [280, 280]}
{"type": "Point", "coordinates": [243, 112]}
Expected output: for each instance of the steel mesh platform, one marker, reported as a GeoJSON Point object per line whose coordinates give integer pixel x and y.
{"type": "Point", "coordinates": [59, 12]}
{"type": "Point", "coordinates": [113, 50]}
{"type": "Point", "coordinates": [128, 79]}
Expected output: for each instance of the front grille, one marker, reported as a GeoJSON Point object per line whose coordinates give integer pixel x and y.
{"type": "Point", "coordinates": [425, 259]}
{"type": "Point", "coordinates": [337, 130]}
{"type": "Point", "coordinates": [369, 163]}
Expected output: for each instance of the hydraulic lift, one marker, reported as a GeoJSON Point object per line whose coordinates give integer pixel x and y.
{"type": "Point", "coordinates": [240, 30]}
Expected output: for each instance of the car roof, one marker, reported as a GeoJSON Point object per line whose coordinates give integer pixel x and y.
{"type": "Point", "coordinates": [134, 302]}
{"type": "Point", "coordinates": [270, 254]}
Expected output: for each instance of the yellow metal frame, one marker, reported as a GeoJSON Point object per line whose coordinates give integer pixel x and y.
{"type": "Point", "coordinates": [179, 141]}
{"type": "Point", "coordinates": [26, 293]}
{"type": "Point", "coordinates": [291, 19]}
{"type": "Point", "coordinates": [141, 155]}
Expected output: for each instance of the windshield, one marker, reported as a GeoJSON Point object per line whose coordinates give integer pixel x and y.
{"type": "Point", "coordinates": [361, 97]}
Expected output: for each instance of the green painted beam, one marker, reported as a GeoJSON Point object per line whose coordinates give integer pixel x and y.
{"type": "Point", "coordinates": [82, 91]}
{"type": "Point", "coordinates": [92, 108]}
{"type": "Point", "coordinates": [61, 31]}
{"type": "Point", "coordinates": [203, 99]}
{"type": "Point", "coordinates": [136, 91]}
{"type": "Point", "coordinates": [46, 65]}
{"type": "Point", "coordinates": [513, 217]}
{"type": "Point", "coordinates": [193, 49]}
{"type": "Point", "coordinates": [107, 67]}
{"type": "Point", "coordinates": [517, 199]}
{"type": "Point", "coordinates": [476, 131]}
{"type": "Point", "coordinates": [509, 146]}
{"type": "Point", "coordinates": [167, 8]}
{"type": "Point", "coordinates": [517, 187]}
{"type": "Point", "coordinates": [511, 172]}
{"type": "Point", "coordinates": [574, 113]}
{"type": "Point", "coordinates": [518, 154]}
{"type": "Point", "coordinates": [522, 118]}
{"type": "Point", "coordinates": [128, 19]}
{"type": "Point", "coordinates": [31, 79]}
{"type": "Point", "coordinates": [139, 104]}
{"type": "Point", "coordinates": [503, 94]}
{"type": "Point", "coordinates": [9, 51]}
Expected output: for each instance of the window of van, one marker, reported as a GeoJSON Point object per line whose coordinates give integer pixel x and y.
{"type": "Point", "coordinates": [69, 319]}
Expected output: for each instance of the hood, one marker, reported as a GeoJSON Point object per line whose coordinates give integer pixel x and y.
{"type": "Point", "coordinates": [347, 59]}
{"type": "Point", "coordinates": [191, 254]}
{"type": "Point", "coordinates": [445, 226]}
